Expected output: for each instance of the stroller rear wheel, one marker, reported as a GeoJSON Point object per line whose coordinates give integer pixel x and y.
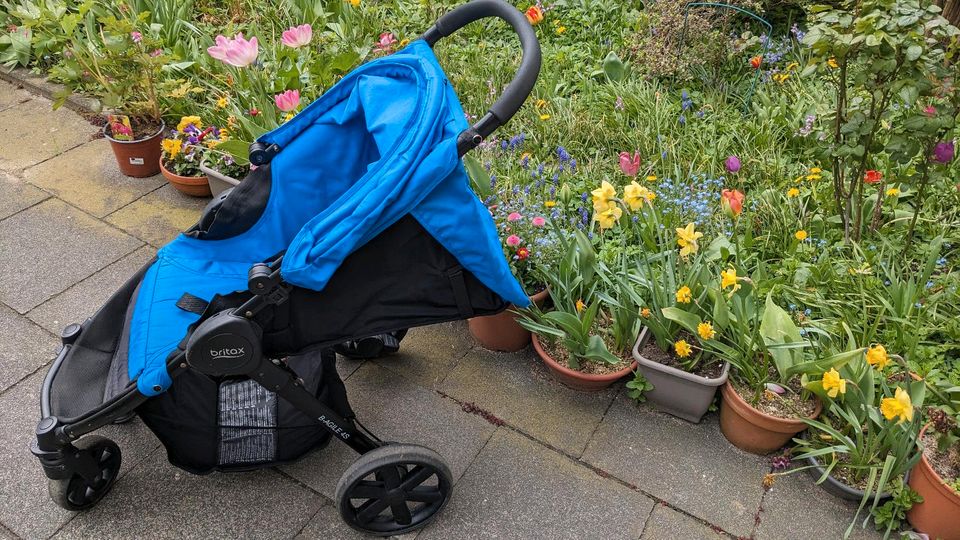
{"type": "Point", "coordinates": [78, 493]}
{"type": "Point", "coordinates": [394, 489]}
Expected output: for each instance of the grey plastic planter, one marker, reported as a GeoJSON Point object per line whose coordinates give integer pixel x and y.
{"type": "Point", "coordinates": [675, 391]}
{"type": "Point", "coordinates": [218, 182]}
{"type": "Point", "coordinates": [837, 488]}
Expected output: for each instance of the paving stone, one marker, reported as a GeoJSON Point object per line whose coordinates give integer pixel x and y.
{"type": "Point", "coordinates": [158, 217]}
{"type": "Point", "coordinates": [16, 194]}
{"type": "Point", "coordinates": [88, 177]}
{"type": "Point", "coordinates": [157, 500]}
{"type": "Point", "coordinates": [5, 534]}
{"type": "Point", "coordinates": [25, 506]}
{"type": "Point", "coordinates": [85, 298]}
{"type": "Point", "coordinates": [427, 353]}
{"type": "Point", "coordinates": [24, 347]}
{"type": "Point", "coordinates": [395, 409]}
{"type": "Point", "coordinates": [518, 389]}
{"type": "Point", "coordinates": [11, 96]}
{"type": "Point", "coordinates": [32, 132]}
{"type": "Point", "coordinates": [665, 523]}
{"type": "Point", "coordinates": [347, 366]}
{"type": "Point", "coordinates": [48, 248]}
{"type": "Point", "coordinates": [797, 509]}
{"type": "Point", "coordinates": [691, 466]}
{"type": "Point", "coordinates": [518, 488]}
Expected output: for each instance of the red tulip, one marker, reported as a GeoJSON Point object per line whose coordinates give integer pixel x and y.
{"type": "Point", "coordinates": [731, 201]}
{"type": "Point", "coordinates": [756, 61]}
{"type": "Point", "coordinates": [872, 176]}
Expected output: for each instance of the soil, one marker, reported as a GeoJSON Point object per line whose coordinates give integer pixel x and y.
{"type": "Point", "coordinates": [788, 405]}
{"type": "Point", "coordinates": [590, 367]}
{"type": "Point", "coordinates": [652, 352]}
{"type": "Point", "coordinates": [947, 464]}
{"type": "Point", "coordinates": [142, 128]}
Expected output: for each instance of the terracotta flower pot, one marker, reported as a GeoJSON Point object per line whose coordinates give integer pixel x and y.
{"type": "Point", "coordinates": [575, 379]}
{"type": "Point", "coordinates": [140, 158]}
{"type": "Point", "coordinates": [675, 391]}
{"type": "Point", "coordinates": [196, 186]}
{"type": "Point", "coordinates": [501, 332]}
{"type": "Point", "coordinates": [752, 430]}
{"type": "Point", "coordinates": [938, 515]}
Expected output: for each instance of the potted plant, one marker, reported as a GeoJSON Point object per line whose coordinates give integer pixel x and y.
{"type": "Point", "coordinates": [570, 338]}
{"type": "Point", "coordinates": [525, 241]}
{"type": "Point", "coordinates": [936, 477]}
{"type": "Point", "coordinates": [224, 170]}
{"type": "Point", "coordinates": [182, 153]}
{"type": "Point", "coordinates": [684, 377]}
{"type": "Point", "coordinates": [121, 65]}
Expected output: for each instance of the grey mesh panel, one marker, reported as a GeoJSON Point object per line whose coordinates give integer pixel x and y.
{"type": "Point", "coordinates": [248, 422]}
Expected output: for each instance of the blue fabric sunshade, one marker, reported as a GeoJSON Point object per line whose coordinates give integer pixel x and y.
{"type": "Point", "coordinates": [377, 146]}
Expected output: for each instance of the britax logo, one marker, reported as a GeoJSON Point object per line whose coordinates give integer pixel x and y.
{"type": "Point", "coordinates": [227, 353]}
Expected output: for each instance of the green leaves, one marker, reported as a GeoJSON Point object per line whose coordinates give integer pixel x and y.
{"type": "Point", "coordinates": [781, 337]}
{"type": "Point", "coordinates": [614, 68]}
{"type": "Point", "coordinates": [479, 177]}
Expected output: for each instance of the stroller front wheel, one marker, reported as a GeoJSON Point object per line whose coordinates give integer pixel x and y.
{"type": "Point", "coordinates": [78, 493]}
{"type": "Point", "coordinates": [394, 489]}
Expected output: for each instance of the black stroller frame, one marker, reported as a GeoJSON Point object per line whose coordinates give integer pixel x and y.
{"type": "Point", "coordinates": [410, 481]}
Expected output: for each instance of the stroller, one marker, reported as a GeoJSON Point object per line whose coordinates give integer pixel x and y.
{"type": "Point", "coordinates": [357, 221]}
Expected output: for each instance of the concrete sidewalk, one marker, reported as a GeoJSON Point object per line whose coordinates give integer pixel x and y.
{"type": "Point", "coordinates": [532, 459]}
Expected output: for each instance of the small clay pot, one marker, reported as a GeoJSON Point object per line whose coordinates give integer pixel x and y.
{"type": "Point", "coordinates": [501, 332]}
{"type": "Point", "coordinates": [755, 431]}
{"type": "Point", "coordinates": [575, 379]}
{"type": "Point", "coordinates": [195, 186]}
{"type": "Point", "coordinates": [938, 516]}
{"type": "Point", "coordinates": [140, 158]}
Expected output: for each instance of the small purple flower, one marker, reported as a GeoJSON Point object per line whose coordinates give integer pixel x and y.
{"type": "Point", "coordinates": [618, 104]}
{"type": "Point", "coordinates": [943, 152]}
{"type": "Point", "coordinates": [733, 164]}
{"type": "Point", "coordinates": [780, 463]}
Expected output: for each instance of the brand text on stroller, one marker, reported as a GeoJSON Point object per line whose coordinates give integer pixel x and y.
{"type": "Point", "coordinates": [334, 427]}
{"type": "Point", "coordinates": [227, 353]}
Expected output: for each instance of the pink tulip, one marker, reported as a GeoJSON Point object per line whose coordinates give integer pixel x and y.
{"type": "Point", "coordinates": [297, 36]}
{"type": "Point", "coordinates": [287, 101]}
{"type": "Point", "coordinates": [514, 216]}
{"type": "Point", "coordinates": [386, 42]}
{"type": "Point", "coordinates": [538, 221]}
{"type": "Point", "coordinates": [630, 164]}
{"type": "Point", "coordinates": [513, 240]}
{"type": "Point", "coordinates": [237, 52]}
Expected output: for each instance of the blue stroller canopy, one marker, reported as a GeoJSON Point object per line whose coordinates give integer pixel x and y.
{"type": "Point", "coordinates": [377, 147]}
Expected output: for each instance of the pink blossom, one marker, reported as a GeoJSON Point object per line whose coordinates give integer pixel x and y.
{"type": "Point", "coordinates": [386, 42]}
{"type": "Point", "coordinates": [287, 101]}
{"type": "Point", "coordinates": [513, 240]}
{"type": "Point", "coordinates": [630, 164]}
{"type": "Point", "coordinates": [538, 221]}
{"type": "Point", "coordinates": [514, 216]}
{"type": "Point", "coordinates": [156, 53]}
{"type": "Point", "coordinates": [237, 52]}
{"type": "Point", "coordinates": [137, 37]}
{"type": "Point", "coordinates": [297, 36]}
{"type": "Point", "coordinates": [930, 110]}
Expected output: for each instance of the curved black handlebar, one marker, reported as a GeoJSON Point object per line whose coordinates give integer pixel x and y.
{"type": "Point", "coordinates": [519, 89]}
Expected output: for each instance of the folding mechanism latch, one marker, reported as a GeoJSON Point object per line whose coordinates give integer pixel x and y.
{"type": "Point", "coordinates": [261, 154]}
{"type": "Point", "coordinates": [264, 281]}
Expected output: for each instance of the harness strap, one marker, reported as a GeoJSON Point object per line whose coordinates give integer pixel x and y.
{"type": "Point", "coordinates": [193, 304]}
{"type": "Point", "coordinates": [459, 286]}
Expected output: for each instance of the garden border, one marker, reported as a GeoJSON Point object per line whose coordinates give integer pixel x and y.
{"type": "Point", "coordinates": [39, 85]}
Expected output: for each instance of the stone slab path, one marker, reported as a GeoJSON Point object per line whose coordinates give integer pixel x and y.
{"type": "Point", "coordinates": [543, 462]}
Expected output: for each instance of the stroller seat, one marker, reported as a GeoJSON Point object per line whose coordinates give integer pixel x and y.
{"type": "Point", "coordinates": [357, 219]}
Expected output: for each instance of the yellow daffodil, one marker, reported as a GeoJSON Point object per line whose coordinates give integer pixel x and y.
{"type": "Point", "coordinates": [687, 240]}
{"type": "Point", "coordinates": [682, 348]}
{"type": "Point", "coordinates": [816, 170]}
{"type": "Point", "coordinates": [609, 217]}
{"type": "Point", "coordinates": [188, 121]}
{"type": "Point", "coordinates": [580, 305]}
{"type": "Point", "coordinates": [833, 383]}
{"type": "Point", "coordinates": [780, 78]}
{"type": "Point", "coordinates": [635, 195]}
{"type": "Point", "coordinates": [899, 406]}
{"type": "Point", "coordinates": [602, 196]}
{"type": "Point", "coordinates": [684, 295]}
{"type": "Point", "coordinates": [793, 192]}
{"type": "Point", "coordinates": [893, 192]}
{"type": "Point", "coordinates": [800, 235]}
{"type": "Point", "coordinates": [706, 331]}
{"type": "Point", "coordinates": [645, 313]}
{"type": "Point", "coordinates": [832, 63]}
{"type": "Point", "coordinates": [171, 147]}
{"type": "Point", "coordinates": [877, 356]}
{"type": "Point", "coordinates": [728, 278]}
